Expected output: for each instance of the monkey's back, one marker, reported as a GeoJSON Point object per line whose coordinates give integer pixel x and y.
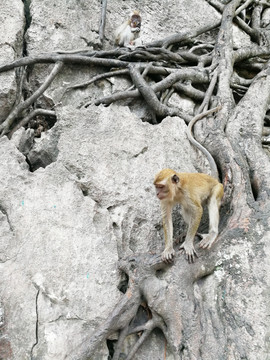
{"type": "Point", "coordinates": [198, 178]}
{"type": "Point", "coordinates": [199, 186]}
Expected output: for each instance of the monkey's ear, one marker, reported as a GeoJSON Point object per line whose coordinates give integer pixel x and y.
{"type": "Point", "coordinates": [175, 179]}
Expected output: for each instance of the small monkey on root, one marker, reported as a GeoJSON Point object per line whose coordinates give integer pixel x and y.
{"type": "Point", "coordinates": [192, 191]}
{"type": "Point", "coordinates": [129, 31]}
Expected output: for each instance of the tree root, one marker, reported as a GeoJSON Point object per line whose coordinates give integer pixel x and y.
{"type": "Point", "coordinates": [6, 125]}
{"type": "Point", "coordinates": [102, 21]}
{"type": "Point", "coordinates": [145, 286]}
{"type": "Point", "coordinates": [166, 64]}
{"type": "Point", "coordinates": [29, 117]}
{"type": "Point", "coordinates": [171, 300]}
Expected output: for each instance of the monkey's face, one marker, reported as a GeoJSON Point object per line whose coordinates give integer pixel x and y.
{"type": "Point", "coordinates": [135, 22]}
{"type": "Point", "coordinates": [166, 182]}
{"type": "Point", "coordinates": [162, 191]}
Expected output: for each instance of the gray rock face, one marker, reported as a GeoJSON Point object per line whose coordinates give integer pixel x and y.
{"type": "Point", "coordinates": [63, 24]}
{"type": "Point", "coordinates": [37, 251]}
{"type": "Point", "coordinates": [78, 199]}
{"type": "Point", "coordinates": [88, 202]}
{"type": "Point", "coordinates": [64, 227]}
{"type": "Point", "coordinates": [11, 45]}
{"type": "Point", "coordinates": [135, 152]}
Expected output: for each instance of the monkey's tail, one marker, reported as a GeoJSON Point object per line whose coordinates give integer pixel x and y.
{"type": "Point", "coordinates": [213, 166]}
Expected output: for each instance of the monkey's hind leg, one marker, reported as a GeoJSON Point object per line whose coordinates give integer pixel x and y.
{"type": "Point", "coordinates": [213, 208]}
{"type": "Point", "coordinates": [207, 240]}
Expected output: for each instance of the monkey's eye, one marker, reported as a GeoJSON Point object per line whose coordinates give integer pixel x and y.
{"type": "Point", "coordinates": [159, 186]}
{"type": "Point", "coordinates": [136, 23]}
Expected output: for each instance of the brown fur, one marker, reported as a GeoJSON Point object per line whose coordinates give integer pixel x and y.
{"type": "Point", "coordinates": [191, 190]}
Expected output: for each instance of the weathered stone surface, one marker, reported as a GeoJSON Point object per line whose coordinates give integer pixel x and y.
{"type": "Point", "coordinates": [44, 151]}
{"type": "Point", "coordinates": [60, 247]}
{"type": "Point", "coordinates": [23, 140]}
{"type": "Point", "coordinates": [89, 199]}
{"type": "Point", "coordinates": [49, 263]}
{"type": "Point", "coordinates": [62, 25]}
{"type": "Point", "coordinates": [65, 226]}
{"type": "Point", "coordinates": [119, 156]}
{"type": "Point", "coordinates": [11, 46]}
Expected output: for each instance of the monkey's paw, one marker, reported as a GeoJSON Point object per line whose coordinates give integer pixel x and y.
{"type": "Point", "coordinates": [167, 255]}
{"type": "Point", "coordinates": [189, 250]}
{"type": "Point", "coordinates": [207, 240]}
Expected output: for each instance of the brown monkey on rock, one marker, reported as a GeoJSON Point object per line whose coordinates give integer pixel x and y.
{"type": "Point", "coordinates": [191, 191]}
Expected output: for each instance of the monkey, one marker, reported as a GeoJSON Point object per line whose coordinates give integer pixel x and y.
{"type": "Point", "coordinates": [191, 191]}
{"type": "Point", "coordinates": [127, 33]}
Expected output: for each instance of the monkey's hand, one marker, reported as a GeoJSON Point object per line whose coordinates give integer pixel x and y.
{"type": "Point", "coordinates": [188, 249]}
{"type": "Point", "coordinates": [207, 240]}
{"type": "Point", "coordinates": [167, 255]}
{"type": "Point", "coordinates": [136, 29]}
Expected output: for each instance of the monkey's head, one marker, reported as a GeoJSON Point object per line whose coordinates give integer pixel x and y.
{"type": "Point", "coordinates": [135, 21]}
{"type": "Point", "coordinates": [166, 183]}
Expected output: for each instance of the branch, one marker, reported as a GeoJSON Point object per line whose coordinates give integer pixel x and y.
{"type": "Point", "coordinates": [143, 285]}
{"type": "Point", "coordinates": [120, 341]}
{"type": "Point", "coordinates": [5, 126]}
{"type": "Point", "coordinates": [162, 54]}
{"type": "Point", "coordinates": [249, 52]}
{"type": "Point", "coordinates": [241, 23]}
{"type": "Point", "coordinates": [256, 17]}
{"type": "Point", "coordinates": [183, 36]}
{"type": "Point", "coordinates": [122, 314]}
{"type": "Point", "coordinates": [245, 128]}
{"type": "Point", "coordinates": [98, 77]}
{"type": "Point", "coordinates": [238, 80]}
{"type": "Point", "coordinates": [189, 91]}
{"type": "Point", "coordinates": [223, 58]}
{"type": "Point", "coordinates": [102, 21]}
{"type": "Point", "coordinates": [228, 154]}
{"type": "Point", "coordinates": [66, 59]}
{"type": "Point", "coordinates": [22, 74]}
{"type": "Point", "coordinates": [155, 322]}
{"type": "Point", "coordinates": [137, 268]}
{"type": "Point", "coordinates": [196, 75]}
{"type": "Point", "coordinates": [149, 95]}
{"type": "Point", "coordinates": [30, 116]}
{"type": "Point", "coordinates": [243, 7]}
{"type": "Point", "coordinates": [121, 95]}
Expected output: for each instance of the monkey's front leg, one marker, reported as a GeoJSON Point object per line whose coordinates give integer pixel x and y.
{"type": "Point", "coordinates": [188, 248]}
{"type": "Point", "coordinates": [193, 219]}
{"type": "Point", "coordinates": [168, 253]}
